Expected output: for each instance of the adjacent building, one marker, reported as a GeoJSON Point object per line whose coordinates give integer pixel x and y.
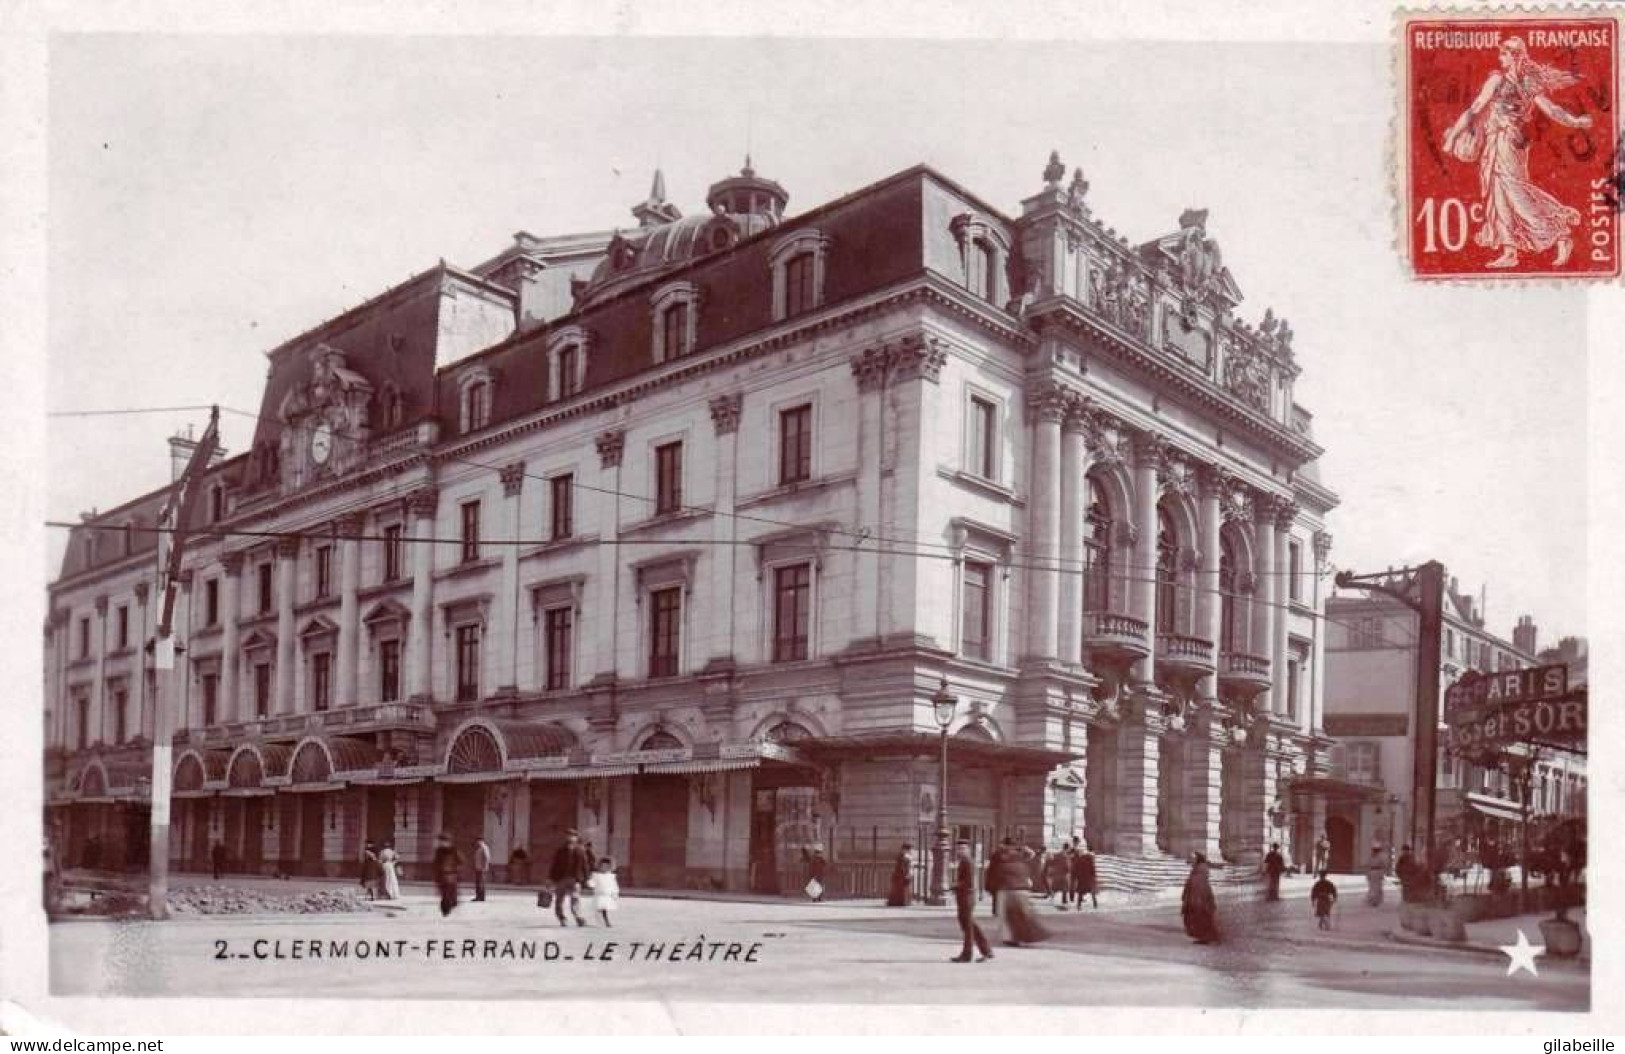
{"type": "Point", "coordinates": [672, 534]}
{"type": "Point", "coordinates": [1371, 653]}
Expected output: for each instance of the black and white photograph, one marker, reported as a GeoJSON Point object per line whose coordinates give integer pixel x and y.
{"type": "Point", "coordinates": [923, 512]}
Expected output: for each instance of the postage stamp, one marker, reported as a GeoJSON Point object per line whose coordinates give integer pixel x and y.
{"type": "Point", "coordinates": [1509, 145]}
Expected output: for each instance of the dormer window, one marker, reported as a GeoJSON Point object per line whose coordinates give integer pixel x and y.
{"type": "Point", "coordinates": [567, 362]}
{"type": "Point", "coordinates": [568, 370]}
{"type": "Point", "coordinates": [474, 400]}
{"type": "Point", "coordinates": [676, 311]}
{"type": "Point", "coordinates": [984, 253]}
{"type": "Point", "coordinates": [394, 406]}
{"type": "Point", "coordinates": [798, 263]}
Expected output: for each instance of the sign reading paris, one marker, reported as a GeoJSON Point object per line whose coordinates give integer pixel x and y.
{"type": "Point", "coordinates": [1507, 686]}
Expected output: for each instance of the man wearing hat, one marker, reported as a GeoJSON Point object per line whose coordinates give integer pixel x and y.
{"type": "Point", "coordinates": [965, 902]}
{"type": "Point", "coordinates": [570, 871]}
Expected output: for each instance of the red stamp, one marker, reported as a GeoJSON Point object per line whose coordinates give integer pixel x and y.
{"type": "Point", "coordinates": [1510, 145]}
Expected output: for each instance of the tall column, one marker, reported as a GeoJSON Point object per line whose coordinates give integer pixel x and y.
{"type": "Point", "coordinates": [349, 642]}
{"type": "Point", "coordinates": [1285, 513]}
{"type": "Point", "coordinates": [506, 651]}
{"type": "Point", "coordinates": [1265, 592]}
{"type": "Point", "coordinates": [98, 707]}
{"type": "Point", "coordinates": [1047, 405]}
{"type": "Point", "coordinates": [1138, 768]}
{"type": "Point", "coordinates": [725, 411]}
{"type": "Point", "coordinates": [421, 505]}
{"type": "Point", "coordinates": [1203, 776]}
{"type": "Point", "coordinates": [869, 371]}
{"type": "Point", "coordinates": [1073, 492]}
{"type": "Point", "coordinates": [230, 661]}
{"type": "Point", "coordinates": [1209, 605]}
{"type": "Point", "coordinates": [1148, 450]}
{"type": "Point", "coordinates": [287, 553]}
{"type": "Point", "coordinates": [142, 725]}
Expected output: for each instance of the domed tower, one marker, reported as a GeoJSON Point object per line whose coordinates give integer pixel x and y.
{"type": "Point", "coordinates": [753, 202]}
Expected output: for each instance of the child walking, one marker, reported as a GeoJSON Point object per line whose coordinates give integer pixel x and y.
{"type": "Point", "coordinates": [1324, 895]}
{"type": "Point", "coordinates": [606, 891]}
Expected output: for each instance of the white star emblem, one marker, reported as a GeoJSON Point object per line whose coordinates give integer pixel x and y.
{"type": "Point", "coordinates": [1523, 955]}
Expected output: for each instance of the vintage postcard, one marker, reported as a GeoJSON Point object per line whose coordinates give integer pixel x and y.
{"type": "Point", "coordinates": [911, 525]}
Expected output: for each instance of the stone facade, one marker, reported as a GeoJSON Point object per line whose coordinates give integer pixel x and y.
{"type": "Point", "coordinates": [681, 558]}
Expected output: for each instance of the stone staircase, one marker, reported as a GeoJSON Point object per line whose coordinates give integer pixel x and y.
{"type": "Point", "coordinates": [1160, 871]}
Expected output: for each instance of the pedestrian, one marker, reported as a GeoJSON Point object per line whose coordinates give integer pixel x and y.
{"type": "Point", "coordinates": [217, 859]}
{"type": "Point", "coordinates": [964, 905]}
{"type": "Point", "coordinates": [1405, 869]}
{"type": "Point", "coordinates": [817, 873]}
{"type": "Point", "coordinates": [446, 865]}
{"type": "Point", "coordinates": [1038, 864]}
{"type": "Point", "coordinates": [1323, 896]}
{"type": "Point", "coordinates": [519, 866]}
{"type": "Point", "coordinates": [1274, 866]}
{"type": "Point", "coordinates": [389, 865]}
{"type": "Point", "coordinates": [1323, 853]}
{"type": "Point", "coordinates": [1058, 874]}
{"type": "Point", "coordinates": [1083, 875]}
{"type": "Point", "coordinates": [1197, 904]}
{"type": "Point", "coordinates": [482, 864]}
{"type": "Point", "coordinates": [606, 890]}
{"type": "Point", "coordinates": [902, 878]}
{"type": "Point", "coordinates": [1376, 870]}
{"type": "Point", "coordinates": [571, 868]}
{"type": "Point", "coordinates": [1012, 883]}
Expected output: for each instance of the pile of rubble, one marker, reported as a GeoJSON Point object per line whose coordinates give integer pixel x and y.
{"type": "Point", "coordinates": [226, 900]}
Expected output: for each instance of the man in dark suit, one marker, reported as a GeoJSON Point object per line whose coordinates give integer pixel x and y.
{"type": "Point", "coordinates": [965, 903]}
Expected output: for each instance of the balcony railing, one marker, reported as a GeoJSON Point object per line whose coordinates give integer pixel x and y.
{"type": "Point", "coordinates": [368, 717]}
{"type": "Point", "coordinates": [1117, 632]}
{"type": "Point", "coordinates": [1183, 650]}
{"type": "Point", "coordinates": [1243, 667]}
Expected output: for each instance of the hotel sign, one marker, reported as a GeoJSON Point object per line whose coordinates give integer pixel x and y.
{"type": "Point", "coordinates": [1478, 690]}
{"type": "Point", "coordinates": [1362, 725]}
{"type": "Point", "coordinates": [1561, 719]}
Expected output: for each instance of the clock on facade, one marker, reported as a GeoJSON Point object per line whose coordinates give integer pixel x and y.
{"type": "Point", "coordinates": [321, 443]}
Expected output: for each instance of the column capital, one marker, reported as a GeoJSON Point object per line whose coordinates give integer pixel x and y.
{"type": "Point", "coordinates": [232, 562]}
{"type": "Point", "coordinates": [287, 546]}
{"type": "Point", "coordinates": [1175, 473]}
{"type": "Point", "coordinates": [1214, 481]}
{"type": "Point", "coordinates": [1151, 449]}
{"type": "Point", "coordinates": [610, 446]}
{"type": "Point", "coordinates": [1323, 545]}
{"type": "Point", "coordinates": [917, 355]}
{"type": "Point", "coordinates": [1080, 411]}
{"type": "Point", "coordinates": [513, 478]}
{"type": "Point", "coordinates": [1049, 402]}
{"type": "Point", "coordinates": [423, 501]}
{"type": "Point", "coordinates": [1284, 511]}
{"type": "Point", "coordinates": [869, 368]}
{"type": "Point", "coordinates": [141, 592]}
{"type": "Point", "coordinates": [725, 410]}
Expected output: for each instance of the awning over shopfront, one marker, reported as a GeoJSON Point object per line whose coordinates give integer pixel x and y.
{"type": "Point", "coordinates": [1494, 808]}
{"type": "Point", "coordinates": [1332, 789]}
{"type": "Point", "coordinates": [961, 749]}
{"type": "Point", "coordinates": [484, 749]}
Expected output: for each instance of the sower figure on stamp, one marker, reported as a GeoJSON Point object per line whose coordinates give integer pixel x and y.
{"type": "Point", "coordinates": [965, 906]}
{"type": "Point", "coordinates": [1494, 131]}
{"type": "Point", "coordinates": [571, 869]}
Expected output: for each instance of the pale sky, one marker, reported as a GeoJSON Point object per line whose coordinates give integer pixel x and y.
{"type": "Point", "coordinates": [211, 197]}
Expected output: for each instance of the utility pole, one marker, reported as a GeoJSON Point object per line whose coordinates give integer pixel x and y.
{"type": "Point", "coordinates": [1422, 590]}
{"type": "Point", "coordinates": [172, 525]}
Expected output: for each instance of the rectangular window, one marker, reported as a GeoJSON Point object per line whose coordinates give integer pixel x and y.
{"type": "Point", "coordinates": [668, 478]}
{"type": "Point", "coordinates": [1363, 763]}
{"type": "Point", "coordinates": [792, 611]}
{"type": "Point", "coordinates": [561, 490]}
{"type": "Point", "coordinates": [988, 262]}
{"type": "Point", "coordinates": [393, 551]}
{"type": "Point", "coordinates": [321, 680]}
{"type": "Point", "coordinates": [983, 444]}
{"type": "Point", "coordinates": [211, 602]}
{"type": "Point", "coordinates": [84, 637]}
{"type": "Point", "coordinates": [567, 372]}
{"type": "Point", "coordinates": [324, 571]}
{"type": "Point", "coordinates": [1294, 668]}
{"type": "Point", "coordinates": [557, 656]}
{"type": "Point", "coordinates": [665, 611]}
{"type": "Point", "coordinates": [479, 405]}
{"type": "Point", "coordinates": [471, 531]}
{"type": "Point", "coordinates": [123, 626]}
{"type": "Point", "coordinates": [795, 445]}
{"type": "Point", "coordinates": [1294, 561]}
{"type": "Point", "coordinates": [468, 663]}
{"type": "Point", "coordinates": [262, 689]}
{"type": "Point", "coordinates": [84, 722]}
{"type": "Point", "coordinates": [798, 285]}
{"type": "Point", "coordinates": [264, 572]}
{"type": "Point", "coordinates": [120, 705]}
{"type": "Point", "coordinates": [674, 331]}
{"type": "Point", "coordinates": [211, 698]}
{"type": "Point", "coordinates": [389, 671]}
{"type": "Point", "coordinates": [217, 504]}
{"type": "Point", "coordinates": [974, 637]}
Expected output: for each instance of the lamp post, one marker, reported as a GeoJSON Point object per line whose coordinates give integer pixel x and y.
{"type": "Point", "coordinates": [943, 707]}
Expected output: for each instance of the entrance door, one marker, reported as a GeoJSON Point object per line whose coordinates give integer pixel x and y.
{"type": "Point", "coordinates": [199, 859]}
{"type": "Point", "coordinates": [311, 834]}
{"type": "Point", "coordinates": [252, 849]}
{"type": "Point", "coordinates": [234, 833]}
{"type": "Point", "coordinates": [552, 812]}
{"type": "Point", "coordinates": [380, 816]}
{"type": "Point", "coordinates": [659, 831]}
{"type": "Point", "coordinates": [464, 815]}
{"type": "Point", "coordinates": [764, 865]}
{"type": "Point", "coordinates": [1340, 832]}
{"type": "Point", "coordinates": [137, 835]}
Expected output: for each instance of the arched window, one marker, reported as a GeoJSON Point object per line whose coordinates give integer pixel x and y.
{"type": "Point", "coordinates": [1229, 580]}
{"type": "Point", "coordinates": [476, 406]}
{"type": "Point", "coordinates": [1167, 572]}
{"type": "Point", "coordinates": [660, 739]}
{"type": "Point", "coordinates": [1097, 549]}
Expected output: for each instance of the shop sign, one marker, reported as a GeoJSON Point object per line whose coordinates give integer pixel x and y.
{"type": "Point", "coordinates": [1362, 725]}
{"type": "Point", "coordinates": [1507, 686]}
{"type": "Point", "coordinates": [644, 757]}
{"type": "Point", "coordinates": [1564, 718]}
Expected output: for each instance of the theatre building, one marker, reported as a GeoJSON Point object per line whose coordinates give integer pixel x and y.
{"type": "Point", "coordinates": [672, 534]}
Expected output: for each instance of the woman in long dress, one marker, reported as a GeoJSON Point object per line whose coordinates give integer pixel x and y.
{"type": "Point", "coordinates": [1518, 216]}
{"type": "Point", "coordinates": [1376, 872]}
{"type": "Point", "coordinates": [389, 863]}
{"type": "Point", "coordinates": [1198, 905]}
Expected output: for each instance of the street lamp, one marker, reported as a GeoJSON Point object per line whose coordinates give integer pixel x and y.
{"type": "Point", "coordinates": [943, 707]}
